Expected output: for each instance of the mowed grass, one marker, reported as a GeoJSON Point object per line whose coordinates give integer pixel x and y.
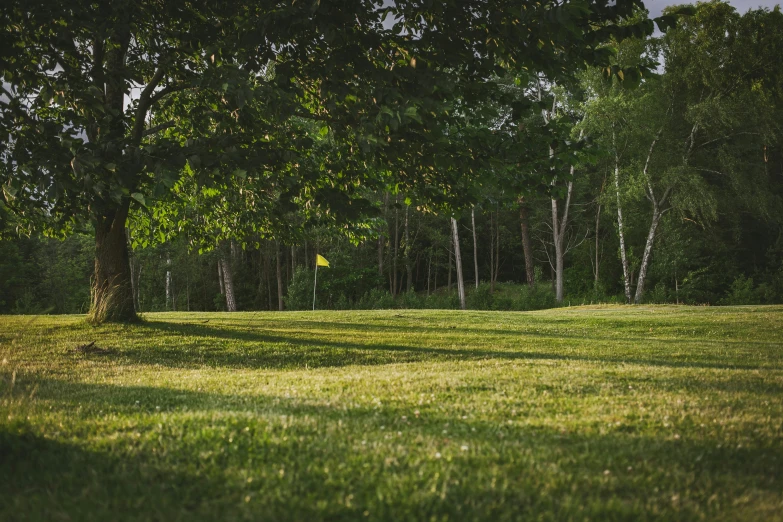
{"type": "Point", "coordinates": [592, 413]}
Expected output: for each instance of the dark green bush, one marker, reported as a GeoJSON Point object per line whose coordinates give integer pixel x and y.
{"type": "Point", "coordinates": [742, 292]}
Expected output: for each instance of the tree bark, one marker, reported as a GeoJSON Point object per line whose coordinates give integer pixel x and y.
{"type": "Point", "coordinates": [559, 226]}
{"type": "Point", "coordinates": [112, 292]}
{"type": "Point", "coordinates": [268, 275]}
{"type": "Point", "coordinates": [448, 285]}
{"type": "Point", "coordinates": [429, 273]}
{"type": "Point", "coordinates": [168, 282]}
{"type": "Point", "coordinates": [646, 256]}
{"type": "Point", "coordinates": [220, 277]}
{"type": "Point", "coordinates": [293, 260]}
{"type": "Point", "coordinates": [656, 217]}
{"type": "Point", "coordinates": [381, 237]}
{"type": "Point", "coordinates": [380, 255]}
{"type": "Point", "coordinates": [407, 253]}
{"type": "Point", "coordinates": [475, 245]}
{"type": "Point", "coordinates": [527, 246]}
{"type": "Point", "coordinates": [395, 285]}
{"type": "Point", "coordinates": [492, 275]}
{"type": "Point", "coordinates": [497, 250]}
{"type": "Point", "coordinates": [278, 255]}
{"type": "Point", "coordinates": [228, 284]}
{"type": "Point", "coordinates": [597, 266]}
{"type": "Point", "coordinates": [620, 231]}
{"type": "Point", "coordinates": [458, 264]}
{"type": "Point", "coordinates": [435, 277]}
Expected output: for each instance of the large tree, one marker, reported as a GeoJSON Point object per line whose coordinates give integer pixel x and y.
{"type": "Point", "coordinates": [105, 106]}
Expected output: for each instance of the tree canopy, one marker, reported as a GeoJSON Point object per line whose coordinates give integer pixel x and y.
{"type": "Point", "coordinates": [225, 116]}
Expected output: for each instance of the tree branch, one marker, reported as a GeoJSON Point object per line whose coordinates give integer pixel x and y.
{"type": "Point", "coordinates": [145, 102]}
{"type": "Point", "coordinates": [158, 128]}
{"type": "Point", "coordinates": [156, 97]}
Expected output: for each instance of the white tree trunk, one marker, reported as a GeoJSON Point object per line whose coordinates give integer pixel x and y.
{"type": "Point", "coordinates": [621, 233]}
{"type": "Point", "coordinates": [656, 217]}
{"type": "Point", "coordinates": [646, 257]}
{"type": "Point", "coordinates": [458, 263]}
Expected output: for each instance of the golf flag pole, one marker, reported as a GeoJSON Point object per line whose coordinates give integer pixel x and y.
{"type": "Point", "coordinates": [319, 261]}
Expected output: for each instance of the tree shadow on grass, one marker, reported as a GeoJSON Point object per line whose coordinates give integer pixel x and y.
{"type": "Point", "coordinates": [200, 345]}
{"type": "Point", "coordinates": [550, 330]}
{"type": "Point", "coordinates": [509, 471]}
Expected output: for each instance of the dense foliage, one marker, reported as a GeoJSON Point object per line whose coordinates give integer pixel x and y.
{"type": "Point", "coordinates": [568, 184]}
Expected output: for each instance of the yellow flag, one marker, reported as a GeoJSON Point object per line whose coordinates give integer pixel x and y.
{"type": "Point", "coordinates": [321, 260]}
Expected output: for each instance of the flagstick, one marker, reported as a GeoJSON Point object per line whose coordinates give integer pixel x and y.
{"type": "Point", "coordinates": [315, 281]}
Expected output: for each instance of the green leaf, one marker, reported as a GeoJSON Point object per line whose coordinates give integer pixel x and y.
{"type": "Point", "coordinates": [411, 113]}
{"type": "Point", "coordinates": [139, 198]}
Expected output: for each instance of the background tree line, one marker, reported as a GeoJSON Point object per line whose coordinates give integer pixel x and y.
{"type": "Point", "coordinates": [651, 187]}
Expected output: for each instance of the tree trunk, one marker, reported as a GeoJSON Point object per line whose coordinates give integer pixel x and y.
{"type": "Point", "coordinates": [407, 253]}
{"type": "Point", "coordinates": [268, 275]}
{"type": "Point", "coordinates": [278, 255]}
{"type": "Point", "coordinates": [435, 278]}
{"type": "Point", "coordinates": [656, 217]}
{"type": "Point", "coordinates": [168, 283]}
{"type": "Point", "coordinates": [497, 250]}
{"type": "Point", "coordinates": [597, 261]}
{"type": "Point", "coordinates": [646, 257]}
{"type": "Point", "coordinates": [448, 285]}
{"type": "Point", "coordinates": [559, 227]}
{"type": "Point", "coordinates": [381, 237]}
{"type": "Point", "coordinates": [621, 234]}
{"type": "Point", "coordinates": [429, 273]}
{"type": "Point", "coordinates": [527, 246]}
{"type": "Point", "coordinates": [137, 298]}
{"type": "Point", "coordinates": [596, 266]}
{"type": "Point", "coordinates": [395, 286]}
{"type": "Point", "coordinates": [293, 260]}
{"type": "Point", "coordinates": [491, 253]}
{"type": "Point", "coordinates": [228, 284]}
{"type": "Point", "coordinates": [220, 277]}
{"type": "Point", "coordinates": [475, 244]}
{"type": "Point", "coordinates": [558, 240]}
{"type": "Point", "coordinates": [458, 263]}
{"type": "Point", "coordinates": [112, 293]}
{"type": "Point", "coordinates": [380, 255]}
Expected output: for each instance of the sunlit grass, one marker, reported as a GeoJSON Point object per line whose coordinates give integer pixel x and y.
{"type": "Point", "coordinates": [599, 413]}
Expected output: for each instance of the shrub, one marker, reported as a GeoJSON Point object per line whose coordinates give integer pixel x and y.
{"type": "Point", "coordinates": [660, 294]}
{"type": "Point", "coordinates": [410, 299]}
{"type": "Point", "coordinates": [375, 299]}
{"type": "Point", "coordinates": [444, 300]}
{"type": "Point", "coordinates": [742, 292]}
{"type": "Point", "coordinates": [539, 297]}
{"type": "Point", "coordinates": [300, 291]}
{"type": "Point", "coordinates": [480, 298]}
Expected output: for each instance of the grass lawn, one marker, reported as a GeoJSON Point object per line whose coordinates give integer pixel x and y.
{"type": "Point", "coordinates": [589, 413]}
